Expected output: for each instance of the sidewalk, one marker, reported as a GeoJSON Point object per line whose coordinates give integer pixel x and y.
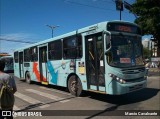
{"type": "Point", "coordinates": [154, 72]}
{"type": "Point", "coordinates": [154, 69]}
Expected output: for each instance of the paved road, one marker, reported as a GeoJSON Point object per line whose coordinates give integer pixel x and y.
{"type": "Point", "coordinates": [39, 97]}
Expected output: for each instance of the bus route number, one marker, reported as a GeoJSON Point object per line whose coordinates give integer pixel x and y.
{"type": "Point", "coordinates": [124, 28]}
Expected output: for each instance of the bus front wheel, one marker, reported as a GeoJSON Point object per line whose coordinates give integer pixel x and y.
{"type": "Point", "coordinates": [28, 78]}
{"type": "Point", "coordinates": [75, 86]}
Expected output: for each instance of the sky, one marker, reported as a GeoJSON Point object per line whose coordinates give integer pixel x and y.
{"type": "Point", "coordinates": [26, 20]}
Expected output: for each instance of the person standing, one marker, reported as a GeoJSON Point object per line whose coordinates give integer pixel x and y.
{"type": "Point", "coordinates": [4, 77]}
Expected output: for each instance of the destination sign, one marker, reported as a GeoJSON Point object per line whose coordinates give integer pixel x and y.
{"type": "Point", "coordinates": [122, 27]}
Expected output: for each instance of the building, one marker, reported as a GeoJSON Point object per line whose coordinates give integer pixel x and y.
{"type": "Point", "coordinates": [147, 43]}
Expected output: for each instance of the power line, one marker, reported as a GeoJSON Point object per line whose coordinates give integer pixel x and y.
{"type": "Point", "coordinates": [77, 3]}
{"type": "Point", "coordinates": [111, 2]}
{"type": "Point", "coordinates": [17, 41]}
{"type": "Point", "coordinates": [107, 1]}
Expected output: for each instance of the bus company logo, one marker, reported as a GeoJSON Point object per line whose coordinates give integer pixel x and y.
{"type": "Point", "coordinates": [6, 113]}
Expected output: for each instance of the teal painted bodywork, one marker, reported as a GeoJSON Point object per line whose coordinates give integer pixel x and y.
{"type": "Point", "coordinates": [116, 88]}
{"type": "Point", "coordinates": [52, 73]}
{"type": "Point", "coordinates": [58, 71]}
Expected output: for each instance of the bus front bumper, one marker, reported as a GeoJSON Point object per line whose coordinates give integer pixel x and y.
{"type": "Point", "coordinates": [116, 88]}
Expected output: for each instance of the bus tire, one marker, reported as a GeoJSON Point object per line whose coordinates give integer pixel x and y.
{"type": "Point", "coordinates": [28, 78]}
{"type": "Point", "coordinates": [75, 87]}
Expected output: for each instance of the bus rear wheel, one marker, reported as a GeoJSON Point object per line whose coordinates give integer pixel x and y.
{"type": "Point", "coordinates": [28, 78]}
{"type": "Point", "coordinates": [75, 86]}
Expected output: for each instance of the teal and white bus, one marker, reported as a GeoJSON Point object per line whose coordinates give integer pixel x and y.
{"type": "Point", "coordinates": [8, 63]}
{"type": "Point", "coordinates": [105, 57]}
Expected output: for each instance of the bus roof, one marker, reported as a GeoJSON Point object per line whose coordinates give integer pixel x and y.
{"type": "Point", "coordinates": [6, 57]}
{"type": "Point", "coordinates": [85, 29]}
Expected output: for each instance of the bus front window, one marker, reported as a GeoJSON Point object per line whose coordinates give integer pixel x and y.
{"type": "Point", "coordinates": [125, 51]}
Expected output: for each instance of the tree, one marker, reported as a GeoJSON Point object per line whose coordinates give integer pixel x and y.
{"type": "Point", "coordinates": [148, 17]}
{"type": "Point", "coordinates": [146, 53]}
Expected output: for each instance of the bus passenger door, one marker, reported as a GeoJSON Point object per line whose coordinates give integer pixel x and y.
{"type": "Point", "coordinates": [21, 70]}
{"type": "Point", "coordinates": [95, 62]}
{"type": "Point", "coordinates": [42, 64]}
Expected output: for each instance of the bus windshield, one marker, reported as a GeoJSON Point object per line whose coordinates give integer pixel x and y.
{"type": "Point", "coordinates": [125, 51]}
{"type": "Point", "coordinates": [8, 64]}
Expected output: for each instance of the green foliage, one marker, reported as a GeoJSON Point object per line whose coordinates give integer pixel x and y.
{"type": "Point", "coordinates": [146, 53]}
{"type": "Point", "coordinates": [148, 17]}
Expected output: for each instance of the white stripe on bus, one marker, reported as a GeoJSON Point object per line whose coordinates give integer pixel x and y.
{"type": "Point", "coordinates": [47, 95]}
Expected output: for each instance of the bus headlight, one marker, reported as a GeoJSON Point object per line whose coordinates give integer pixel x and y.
{"type": "Point", "coordinates": [111, 75]}
{"type": "Point", "coordinates": [117, 78]}
{"type": "Point", "coordinates": [114, 77]}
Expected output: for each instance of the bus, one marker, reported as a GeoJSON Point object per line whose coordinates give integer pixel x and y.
{"type": "Point", "coordinates": [105, 58]}
{"type": "Point", "coordinates": [4, 54]}
{"type": "Point", "coordinates": [8, 64]}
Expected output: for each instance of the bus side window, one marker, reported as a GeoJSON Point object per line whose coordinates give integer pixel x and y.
{"type": "Point", "coordinates": [55, 50]}
{"type": "Point", "coordinates": [16, 57]}
{"type": "Point", "coordinates": [72, 47]}
{"type": "Point", "coordinates": [34, 54]}
{"type": "Point", "coordinates": [27, 55]}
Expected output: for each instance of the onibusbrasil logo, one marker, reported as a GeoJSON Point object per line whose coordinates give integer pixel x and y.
{"type": "Point", "coordinates": [21, 113]}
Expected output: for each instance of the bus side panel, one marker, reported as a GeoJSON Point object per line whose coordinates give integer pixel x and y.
{"type": "Point", "coordinates": [53, 72]}
{"type": "Point", "coordinates": [16, 70]}
{"type": "Point", "coordinates": [58, 72]}
{"type": "Point", "coordinates": [28, 67]}
{"type": "Point", "coordinates": [81, 73]}
{"type": "Point", "coordinates": [35, 74]}
{"type": "Point", "coordinates": [25, 69]}
{"type": "Point", "coordinates": [32, 72]}
{"type": "Point", "coordinates": [81, 67]}
{"type": "Point", "coordinates": [83, 81]}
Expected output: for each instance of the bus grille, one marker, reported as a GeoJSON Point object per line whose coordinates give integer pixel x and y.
{"type": "Point", "coordinates": [136, 87]}
{"type": "Point", "coordinates": [134, 80]}
{"type": "Point", "coordinates": [133, 71]}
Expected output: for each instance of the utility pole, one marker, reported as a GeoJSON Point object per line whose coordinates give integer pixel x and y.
{"type": "Point", "coordinates": [52, 28]}
{"type": "Point", "coordinates": [119, 6]}
{"type": "Point", "coordinates": [0, 45]}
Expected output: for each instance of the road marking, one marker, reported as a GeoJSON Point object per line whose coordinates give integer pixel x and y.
{"type": "Point", "coordinates": [55, 90]}
{"type": "Point", "coordinates": [31, 100]}
{"type": "Point", "coordinates": [79, 97]}
{"type": "Point", "coordinates": [16, 108]}
{"type": "Point", "coordinates": [44, 106]}
{"type": "Point", "coordinates": [47, 95]}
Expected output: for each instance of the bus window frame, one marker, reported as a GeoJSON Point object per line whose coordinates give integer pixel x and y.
{"type": "Point", "coordinates": [78, 48]}
{"type": "Point", "coordinates": [27, 55]}
{"type": "Point", "coordinates": [33, 56]}
{"type": "Point", "coordinates": [16, 59]}
{"type": "Point", "coordinates": [50, 49]}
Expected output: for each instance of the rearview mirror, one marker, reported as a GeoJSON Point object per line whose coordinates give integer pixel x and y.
{"type": "Point", "coordinates": [108, 41]}
{"type": "Point", "coordinates": [108, 47]}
